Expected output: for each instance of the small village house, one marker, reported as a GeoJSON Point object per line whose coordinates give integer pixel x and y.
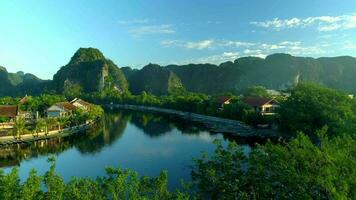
{"type": "Point", "coordinates": [265, 106]}
{"type": "Point", "coordinates": [9, 112]}
{"type": "Point", "coordinates": [79, 103]}
{"type": "Point", "coordinates": [61, 109]}
{"type": "Point", "coordinates": [222, 100]}
{"type": "Point", "coordinates": [24, 99]}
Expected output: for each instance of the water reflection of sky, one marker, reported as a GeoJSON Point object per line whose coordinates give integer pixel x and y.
{"type": "Point", "coordinates": [127, 143]}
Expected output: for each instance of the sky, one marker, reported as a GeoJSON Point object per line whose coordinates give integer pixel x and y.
{"type": "Point", "coordinates": [40, 36]}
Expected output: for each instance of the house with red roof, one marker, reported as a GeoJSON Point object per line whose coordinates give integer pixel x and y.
{"type": "Point", "coordinates": [265, 106]}
{"type": "Point", "coordinates": [9, 112]}
{"type": "Point", "coordinates": [222, 100]}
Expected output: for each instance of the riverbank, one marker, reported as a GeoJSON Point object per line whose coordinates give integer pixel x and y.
{"type": "Point", "coordinates": [214, 124]}
{"type": "Point", "coordinates": [28, 138]}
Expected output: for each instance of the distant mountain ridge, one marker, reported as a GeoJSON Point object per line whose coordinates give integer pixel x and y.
{"type": "Point", "coordinates": [19, 83]}
{"type": "Point", "coordinates": [90, 71]}
{"type": "Point", "coordinates": [276, 71]}
{"type": "Point", "coordinates": [154, 79]}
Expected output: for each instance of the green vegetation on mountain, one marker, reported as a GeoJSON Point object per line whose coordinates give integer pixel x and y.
{"type": "Point", "coordinates": [89, 71]}
{"type": "Point", "coordinates": [277, 71]}
{"type": "Point", "coordinates": [14, 84]}
{"type": "Point", "coordinates": [156, 80]}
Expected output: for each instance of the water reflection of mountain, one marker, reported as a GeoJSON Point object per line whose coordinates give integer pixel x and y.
{"type": "Point", "coordinates": [155, 125]}
{"type": "Point", "coordinates": [152, 125]}
{"type": "Point", "coordinates": [111, 129]}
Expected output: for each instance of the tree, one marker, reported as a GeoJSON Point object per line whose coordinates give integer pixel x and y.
{"type": "Point", "coordinates": [310, 107]}
{"type": "Point", "coordinates": [10, 185]}
{"type": "Point", "coordinates": [95, 112]}
{"type": "Point", "coordinates": [19, 127]}
{"type": "Point", "coordinates": [62, 122]}
{"type": "Point", "coordinates": [295, 170]}
{"type": "Point", "coordinates": [256, 91]}
{"type": "Point", "coordinates": [50, 122]}
{"type": "Point", "coordinates": [40, 124]}
{"type": "Point", "coordinates": [53, 182]}
{"type": "Point", "coordinates": [117, 184]}
{"type": "Point", "coordinates": [31, 189]}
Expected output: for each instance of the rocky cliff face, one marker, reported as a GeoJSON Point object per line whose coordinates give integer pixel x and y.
{"type": "Point", "coordinates": [89, 70]}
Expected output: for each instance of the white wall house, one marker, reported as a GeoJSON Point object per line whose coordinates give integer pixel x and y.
{"type": "Point", "coordinates": [61, 109]}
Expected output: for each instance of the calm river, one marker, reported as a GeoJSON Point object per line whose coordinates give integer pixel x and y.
{"type": "Point", "coordinates": [144, 142]}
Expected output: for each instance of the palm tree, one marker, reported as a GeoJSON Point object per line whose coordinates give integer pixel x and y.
{"type": "Point", "coordinates": [62, 122]}
{"type": "Point", "coordinates": [19, 127]}
{"type": "Point", "coordinates": [40, 124]}
{"type": "Point", "coordinates": [49, 122]}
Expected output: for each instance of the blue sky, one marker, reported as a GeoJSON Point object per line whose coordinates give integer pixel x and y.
{"type": "Point", "coordinates": [40, 36]}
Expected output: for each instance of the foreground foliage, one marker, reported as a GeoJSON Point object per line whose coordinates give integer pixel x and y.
{"type": "Point", "coordinates": [297, 170]}
{"type": "Point", "coordinates": [311, 107]}
{"type": "Point", "coordinates": [118, 184]}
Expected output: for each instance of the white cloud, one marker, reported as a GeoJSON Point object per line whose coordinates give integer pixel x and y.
{"type": "Point", "coordinates": [134, 21]}
{"type": "Point", "coordinates": [236, 43]}
{"type": "Point", "coordinates": [231, 50]}
{"type": "Point", "coordinates": [203, 44]}
{"type": "Point", "coordinates": [232, 55]}
{"type": "Point", "coordinates": [152, 29]}
{"type": "Point", "coordinates": [257, 48]}
{"type": "Point", "coordinates": [322, 23]}
{"type": "Point", "coordinates": [219, 58]}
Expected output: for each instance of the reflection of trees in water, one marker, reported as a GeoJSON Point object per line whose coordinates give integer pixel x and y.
{"type": "Point", "coordinates": [152, 125]}
{"type": "Point", "coordinates": [108, 130]}
{"type": "Point", "coordinates": [156, 125]}
{"type": "Point", "coordinates": [111, 128]}
{"type": "Point", "coordinates": [14, 154]}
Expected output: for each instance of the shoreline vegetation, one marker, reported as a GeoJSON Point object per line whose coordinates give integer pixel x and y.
{"type": "Point", "coordinates": [36, 118]}
{"type": "Point", "coordinates": [317, 163]}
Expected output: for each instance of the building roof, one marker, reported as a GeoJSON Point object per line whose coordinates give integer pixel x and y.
{"type": "Point", "coordinates": [62, 105]}
{"type": "Point", "coordinates": [24, 99]}
{"type": "Point", "coordinates": [258, 101]}
{"type": "Point", "coordinates": [66, 105]}
{"type": "Point", "coordinates": [222, 99]}
{"type": "Point", "coordinates": [8, 111]}
{"type": "Point", "coordinates": [81, 102]}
